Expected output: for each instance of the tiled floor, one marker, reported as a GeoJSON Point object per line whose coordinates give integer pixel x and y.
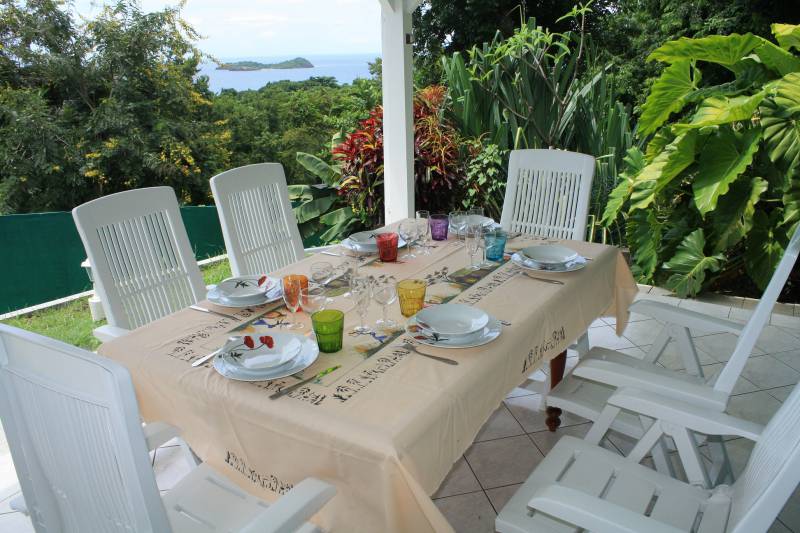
{"type": "Point", "coordinates": [514, 440]}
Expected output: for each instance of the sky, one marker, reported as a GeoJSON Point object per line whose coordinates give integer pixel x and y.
{"type": "Point", "coordinates": [241, 28]}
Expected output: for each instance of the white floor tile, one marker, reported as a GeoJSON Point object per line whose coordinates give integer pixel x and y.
{"type": "Point", "coordinates": [15, 523]}
{"type": "Point", "coordinates": [607, 338]}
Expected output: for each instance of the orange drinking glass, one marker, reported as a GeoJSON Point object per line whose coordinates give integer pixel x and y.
{"type": "Point", "coordinates": [293, 286]}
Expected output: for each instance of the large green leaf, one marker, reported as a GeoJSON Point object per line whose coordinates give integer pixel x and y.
{"type": "Point", "coordinates": [716, 110]}
{"type": "Point", "coordinates": [724, 157]}
{"type": "Point", "coordinates": [777, 59]}
{"type": "Point", "coordinates": [764, 246]}
{"type": "Point", "coordinates": [313, 209]}
{"type": "Point", "coordinates": [668, 95]}
{"type": "Point", "coordinates": [733, 217]}
{"type": "Point", "coordinates": [780, 117]}
{"type": "Point", "coordinates": [725, 50]}
{"type": "Point", "coordinates": [791, 202]}
{"type": "Point", "coordinates": [788, 35]}
{"type": "Point", "coordinates": [634, 163]}
{"type": "Point", "coordinates": [338, 216]}
{"type": "Point", "coordinates": [325, 172]}
{"type": "Point", "coordinates": [690, 264]}
{"type": "Point", "coordinates": [644, 237]}
{"type": "Point", "coordinates": [675, 157]}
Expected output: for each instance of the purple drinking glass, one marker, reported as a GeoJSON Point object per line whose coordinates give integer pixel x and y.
{"type": "Point", "coordinates": [439, 225]}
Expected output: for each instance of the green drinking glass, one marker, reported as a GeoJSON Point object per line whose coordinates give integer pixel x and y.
{"type": "Point", "coordinates": [329, 328]}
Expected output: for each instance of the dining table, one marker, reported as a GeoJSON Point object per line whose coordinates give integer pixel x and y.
{"type": "Point", "coordinates": [387, 425]}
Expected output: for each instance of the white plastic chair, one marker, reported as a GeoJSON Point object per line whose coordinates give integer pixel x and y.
{"type": "Point", "coordinates": [547, 193]}
{"type": "Point", "coordinates": [142, 263]}
{"type": "Point", "coordinates": [73, 428]}
{"type": "Point", "coordinates": [258, 223]}
{"type": "Point", "coordinates": [593, 380]}
{"type": "Point", "coordinates": [581, 485]}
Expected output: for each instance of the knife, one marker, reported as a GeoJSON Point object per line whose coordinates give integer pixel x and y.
{"type": "Point", "coordinates": [211, 311]}
{"type": "Point", "coordinates": [296, 386]}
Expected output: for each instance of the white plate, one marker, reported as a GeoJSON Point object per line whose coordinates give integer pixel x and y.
{"type": "Point", "coordinates": [367, 247]}
{"type": "Point", "coordinates": [285, 346]}
{"type": "Point", "coordinates": [216, 298]}
{"type": "Point", "coordinates": [529, 264]}
{"type": "Point", "coordinates": [308, 354]}
{"type": "Point", "coordinates": [549, 254]}
{"type": "Point", "coordinates": [485, 336]}
{"type": "Point", "coordinates": [453, 319]}
{"type": "Point", "coordinates": [243, 288]}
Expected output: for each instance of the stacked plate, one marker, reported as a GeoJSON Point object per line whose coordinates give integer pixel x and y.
{"type": "Point", "coordinates": [364, 241]}
{"type": "Point", "coordinates": [265, 357]}
{"type": "Point", "coordinates": [550, 258]}
{"type": "Point", "coordinates": [246, 291]}
{"type": "Point", "coordinates": [454, 326]}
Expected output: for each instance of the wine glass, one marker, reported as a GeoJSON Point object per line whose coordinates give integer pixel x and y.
{"type": "Point", "coordinates": [424, 230]}
{"type": "Point", "coordinates": [385, 293]}
{"type": "Point", "coordinates": [321, 272]}
{"type": "Point", "coordinates": [292, 287]}
{"type": "Point", "coordinates": [408, 232]}
{"type": "Point", "coordinates": [360, 291]}
{"type": "Point", "coordinates": [472, 238]}
{"type": "Point", "coordinates": [313, 299]}
{"type": "Point", "coordinates": [457, 222]}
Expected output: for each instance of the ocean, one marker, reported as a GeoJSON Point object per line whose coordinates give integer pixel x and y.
{"type": "Point", "coordinates": [345, 68]}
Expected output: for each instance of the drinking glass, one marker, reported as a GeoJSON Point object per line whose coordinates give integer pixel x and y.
{"type": "Point", "coordinates": [385, 293]}
{"type": "Point", "coordinates": [457, 221]}
{"type": "Point", "coordinates": [293, 286]}
{"type": "Point", "coordinates": [412, 296]}
{"type": "Point", "coordinates": [321, 272]}
{"type": "Point", "coordinates": [473, 233]}
{"type": "Point", "coordinates": [360, 290]}
{"type": "Point", "coordinates": [328, 326]}
{"type": "Point", "coordinates": [424, 230]}
{"type": "Point", "coordinates": [313, 299]}
{"type": "Point", "coordinates": [439, 225]}
{"type": "Point", "coordinates": [495, 244]}
{"type": "Point", "coordinates": [408, 231]}
{"type": "Point", "coordinates": [387, 247]}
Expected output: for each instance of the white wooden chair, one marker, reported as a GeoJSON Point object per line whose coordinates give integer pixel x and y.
{"type": "Point", "coordinates": [593, 380]}
{"type": "Point", "coordinates": [580, 485]}
{"type": "Point", "coordinates": [258, 223]}
{"type": "Point", "coordinates": [142, 263]}
{"type": "Point", "coordinates": [73, 428]}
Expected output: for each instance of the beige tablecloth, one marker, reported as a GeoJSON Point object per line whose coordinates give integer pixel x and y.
{"type": "Point", "coordinates": [385, 428]}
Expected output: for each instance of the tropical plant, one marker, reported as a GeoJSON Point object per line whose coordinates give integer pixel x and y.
{"type": "Point", "coordinates": [717, 189]}
{"type": "Point", "coordinates": [486, 178]}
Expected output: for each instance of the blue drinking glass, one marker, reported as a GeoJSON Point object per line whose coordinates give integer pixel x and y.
{"type": "Point", "coordinates": [495, 245]}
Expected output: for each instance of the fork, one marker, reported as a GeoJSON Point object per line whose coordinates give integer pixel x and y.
{"type": "Point", "coordinates": [414, 349]}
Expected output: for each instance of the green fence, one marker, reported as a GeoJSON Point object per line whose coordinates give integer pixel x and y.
{"type": "Point", "coordinates": [43, 254]}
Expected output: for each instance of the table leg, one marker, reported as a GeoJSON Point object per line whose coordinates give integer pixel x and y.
{"type": "Point", "coordinates": [557, 366]}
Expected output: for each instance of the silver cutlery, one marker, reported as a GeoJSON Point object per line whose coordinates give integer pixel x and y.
{"type": "Point", "coordinates": [211, 311]}
{"type": "Point", "coordinates": [296, 386]}
{"type": "Point", "coordinates": [211, 355]}
{"type": "Point", "coordinates": [334, 254]}
{"type": "Point", "coordinates": [414, 349]}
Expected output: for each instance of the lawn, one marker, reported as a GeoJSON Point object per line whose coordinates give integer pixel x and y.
{"type": "Point", "coordinates": [72, 322]}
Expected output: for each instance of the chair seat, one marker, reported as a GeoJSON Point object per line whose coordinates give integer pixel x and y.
{"type": "Point", "coordinates": [598, 472]}
{"type": "Point", "coordinates": [204, 501]}
{"type": "Point", "coordinates": [606, 354]}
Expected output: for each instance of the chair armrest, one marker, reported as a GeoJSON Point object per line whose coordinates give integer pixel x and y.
{"type": "Point", "coordinates": [159, 433]}
{"type": "Point", "coordinates": [109, 333]}
{"type": "Point", "coordinates": [683, 414]}
{"type": "Point", "coordinates": [656, 380]}
{"type": "Point", "coordinates": [293, 509]}
{"type": "Point", "coordinates": [593, 514]}
{"type": "Point", "coordinates": [684, 317]}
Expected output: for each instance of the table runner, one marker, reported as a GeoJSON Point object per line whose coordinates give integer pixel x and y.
{"type": "Point", "coordinates": [385, 428]}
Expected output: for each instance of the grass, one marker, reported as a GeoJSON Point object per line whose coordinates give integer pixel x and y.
{"type": "Point", "coordinates": [72, 322]}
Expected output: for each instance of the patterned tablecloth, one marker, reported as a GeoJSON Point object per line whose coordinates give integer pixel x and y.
{"type": "Point", "coordinates": [388, 425]}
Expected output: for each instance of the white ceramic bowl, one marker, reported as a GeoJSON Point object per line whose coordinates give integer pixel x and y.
{"type": "Point", "coordinates": [550, 254]}
{"type": "Point", "coordinates": [452, 319]}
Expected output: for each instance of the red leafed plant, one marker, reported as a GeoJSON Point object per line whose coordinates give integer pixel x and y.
{"type": "Point", "coordinates": [438, 170]}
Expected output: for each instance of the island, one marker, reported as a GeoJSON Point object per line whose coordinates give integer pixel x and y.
{"type": "Point", "coordinates": [297, 62]}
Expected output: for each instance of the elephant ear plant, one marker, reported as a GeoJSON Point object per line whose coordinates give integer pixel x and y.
{"type": "Point", "coordinates": [716, 192]}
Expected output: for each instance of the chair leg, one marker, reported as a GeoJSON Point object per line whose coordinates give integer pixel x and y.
{"type": "Point", "coordinates": [191, 458]}
{"type": "Point", "coordinates": [690, 458]}
{"type": "Point", "coordinates": [659, 345]}
{"type": "Point", "coordinates": [582, 345]}
{"type": "Point", "coordinates": [721, 471]}
{"type": "Point", "coordinates": [688, 352]}
{"type": "Point", "coordinates": [557, 366]}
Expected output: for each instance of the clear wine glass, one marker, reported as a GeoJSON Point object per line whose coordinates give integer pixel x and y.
{"type": "Point", "coordinates": [360, 290]}
{"type": "Point", "coordinates": [385, 293]}
{"type": "Point", "coordinates": [473, 234]}
{"type": "Point", "coordinates": [321, 272]}
{"type": "Point", "coordinates": [313, 299]}
{"type": "Point", "coordinates": [457, 222]}
{"type": "Point", "coordinates": [424, 230]}
{"type": "Point", "coordinates": [408, 232]}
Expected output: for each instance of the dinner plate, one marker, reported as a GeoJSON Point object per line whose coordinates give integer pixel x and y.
{"type": "Point", "coordinates": [529, 264]}
{"type": "Point", "coordinates": [220, 295]}
{"type": "Point", "coordinates": [454, 319]}
{"type": "Point", "coordinates": [308, 354]}
{"type": "Point", "coordinates": [259, 352]}
{"type": "Point", "coordinates": [248, 288]}
{"type": "Point", "coordinates": [367, 247]}
{"type": "Point", "coordinates": [485, 336]}
{"type": "Point", "coordinates": [550, 254]}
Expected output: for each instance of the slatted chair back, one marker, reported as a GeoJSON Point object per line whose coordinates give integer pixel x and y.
{"type": "Point", "coordinates": [772, 472]}
{"type": "Point", "coordinates": [73, 428]}
{"type": "Point", "coordinates": [142, 263]}
{"type": "Point", "coordinates": [547, 193]}
{"type": "Point", "coordinates": [258, 224]}
{"type": "Point", "coordinates": [747, 340]}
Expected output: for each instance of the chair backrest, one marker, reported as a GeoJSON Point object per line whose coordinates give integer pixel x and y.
{"type": "Point", "coordinates": [547, 193]}
{"type": "Point", "coordinates": [73, 428]}
{"type": "Point", "coordinates": [142, 263]}
{"type": "Point", "coordinates": [772, 472]}
{"type": "Point", "coordinates": [258, 223]}
{"type": "Point", "coordinates": [747, 339]}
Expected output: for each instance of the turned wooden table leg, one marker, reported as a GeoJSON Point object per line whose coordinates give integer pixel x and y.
{"type": "Point", "coordinates": [557, 366]}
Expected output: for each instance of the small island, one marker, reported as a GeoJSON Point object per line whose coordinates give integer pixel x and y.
{"type": "Point", "coordinates": [297, 62]}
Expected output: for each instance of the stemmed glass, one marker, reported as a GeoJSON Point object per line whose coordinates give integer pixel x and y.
{"type": "Point", "coordinates": [478, 212]}
{"type": "Point", "coordinates": [292, 288]}
{"type": "Point", "coordinates": [321, 272]}
{"type": "Point", "coordinates": [424, 229]}
{"type": "Point", "coordinates": [472, 238]}
{"type": "Point", "coordinates": [360, 290]}
{"type": "Point", "coordinates": [457, 222]}
{"type": "Point", "coordinates": [313, 299]}
{"type": "Point", "coordinates": [385, 293]}
{"type": "Point", "coordinates": [408, 232]}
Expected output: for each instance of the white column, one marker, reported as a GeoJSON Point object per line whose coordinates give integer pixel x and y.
{"type": "Point", "coordinates": [398, 112]}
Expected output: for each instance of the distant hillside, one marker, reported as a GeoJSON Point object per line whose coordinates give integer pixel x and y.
{"type": "Point", "coordinates": [297, 62]}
